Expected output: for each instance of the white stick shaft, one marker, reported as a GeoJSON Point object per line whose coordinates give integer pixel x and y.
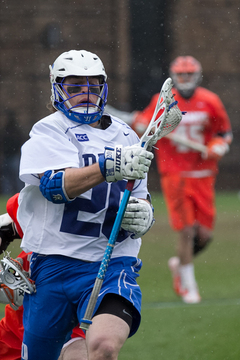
{"type": "Point", "coordinates": [189, 143]}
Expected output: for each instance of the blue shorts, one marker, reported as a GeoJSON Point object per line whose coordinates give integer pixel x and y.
{"type": "Point", "coordinates": [64, 287]}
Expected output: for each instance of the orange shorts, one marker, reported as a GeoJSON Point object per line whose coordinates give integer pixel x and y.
{"type": "Point", "coordinates": [189, 200]}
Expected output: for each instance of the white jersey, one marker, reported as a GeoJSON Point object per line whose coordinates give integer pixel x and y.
{"type": "Point", "coordinates": [81, 228]}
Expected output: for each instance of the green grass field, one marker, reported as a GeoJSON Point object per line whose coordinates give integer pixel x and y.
{"type": "Point", "coordinates": [169, 329]}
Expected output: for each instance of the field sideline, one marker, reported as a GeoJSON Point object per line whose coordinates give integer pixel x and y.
{"type": "Point", "coordinates": [171, 330]}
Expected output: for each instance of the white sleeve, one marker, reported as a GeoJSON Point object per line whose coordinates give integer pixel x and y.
{"type": "Point", "coordinates": [48, 149]}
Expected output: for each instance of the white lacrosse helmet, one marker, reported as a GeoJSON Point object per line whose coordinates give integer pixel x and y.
{"type": "Point", "coordinates": [84, 64]}
{"type": "Point", "coordinates": [186, 73]}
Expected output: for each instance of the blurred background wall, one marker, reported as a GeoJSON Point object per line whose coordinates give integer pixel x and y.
{"type": "Point", "coordinates": [135, 39]}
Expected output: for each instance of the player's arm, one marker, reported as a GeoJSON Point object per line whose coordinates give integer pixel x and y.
{"type": "Point", "coordinates": [218, 146]}
{"type": "Point", "coordinates": [117, 163]}
{"type": "Point", "coordinates": [64, 185]}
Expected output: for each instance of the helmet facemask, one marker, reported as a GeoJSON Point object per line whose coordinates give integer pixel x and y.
{"type": "Point", "coordinates": [186, 83]}
{"type": "Point", "coordinates": [186, 73]}
{"type": "Point", "coordinates": [85, 111]}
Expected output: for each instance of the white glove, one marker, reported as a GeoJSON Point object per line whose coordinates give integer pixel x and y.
{"type": "Point", "coordinates": [7, 232]}
{"type": "Point", "coordinates": [130, 163]}
{"type": "Point", "coordinates": [138, 217]}
{"type": "Point", "coordinates": [5, 220]}
{"type": "Point", "coordinates": [216, 148]}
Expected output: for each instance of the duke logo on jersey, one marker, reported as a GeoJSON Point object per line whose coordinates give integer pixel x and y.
{"type": "Point", "coordinates": [82, 137]}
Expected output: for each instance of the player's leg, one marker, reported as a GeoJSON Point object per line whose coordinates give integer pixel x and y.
{"type": "Point", "coordinates": [201, 193]}
{"type": "Point", "coordinates": [202, 238]}
{"type": "Point", "coordinates": [106, 337]}
{"type": "Point", "coordinates": [181, 266]}
{"type": "Point", "coordinates": [205, 215]}
{"type": "Point", "coordinates": [189, 288]}
{"type": "Point", "coordinates": [48, 316]}
{"type": "Point", "coordinates": [118, 310]}
{"type": "Point", "coordinates": [178, 196]}
{"type": "Point", "coordinates": [74, 349]}
{"type": "Point", "coordinates": [110, 328]}
{"type": "Point", "coordinates": [185, 245]}
{"type": "Point", "coordinates": [206, 212]}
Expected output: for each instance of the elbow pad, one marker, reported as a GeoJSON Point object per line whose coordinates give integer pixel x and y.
{"type": "Point", "coordinates": [52, 187]}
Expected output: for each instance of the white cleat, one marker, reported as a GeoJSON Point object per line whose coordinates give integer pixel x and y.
{"type": "Point", "coordinates": [191, 296]}
{"type": "Point", "coordinates": [189, 293]}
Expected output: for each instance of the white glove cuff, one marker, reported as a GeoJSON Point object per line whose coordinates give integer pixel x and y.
{"type": "Point", "coordinates": [111, 163]}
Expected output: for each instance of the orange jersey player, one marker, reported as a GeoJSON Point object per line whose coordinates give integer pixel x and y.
{"type": "Point", "coordinates": [188, 176]}
{"type": "Point", "coordinates": [11, 326]}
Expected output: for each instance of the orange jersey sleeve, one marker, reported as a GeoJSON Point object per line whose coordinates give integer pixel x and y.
{"type": "Point", "coordinates": [12, 208]}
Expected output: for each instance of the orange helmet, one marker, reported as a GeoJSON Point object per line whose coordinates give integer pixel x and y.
{"type": "Point", "coordinates": [186, 73]}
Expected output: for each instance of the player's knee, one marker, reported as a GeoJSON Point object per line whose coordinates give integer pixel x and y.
{"type": "Point", "coordinates": [74, 350]}
{"type": "Point", "coordinates": [200, 244]}
{"type": "Point", "coordinates": [186, 235]}
{"type": "Point", "coordinates": [102, 348]}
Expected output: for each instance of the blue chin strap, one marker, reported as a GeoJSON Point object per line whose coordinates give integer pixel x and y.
{"type": "Point", "coordinates": [80, 118]}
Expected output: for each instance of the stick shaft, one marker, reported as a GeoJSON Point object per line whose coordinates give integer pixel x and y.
{"type": "Point", "coordinates": [86, 321]}
{"type": "Point", "coordinates": [189, 143]}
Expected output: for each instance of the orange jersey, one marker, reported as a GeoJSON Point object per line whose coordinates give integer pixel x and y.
{"type": "Point", "coordinates": [11, 326]}
{"type": "Point", "coordinates": [205, 118]}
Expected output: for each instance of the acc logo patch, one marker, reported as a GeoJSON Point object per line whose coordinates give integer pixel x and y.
{"type": "Point", "coordinates": [82, 137]}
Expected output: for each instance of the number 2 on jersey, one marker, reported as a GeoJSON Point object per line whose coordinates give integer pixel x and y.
{"type": "Point", "coordinates": [71, 224]}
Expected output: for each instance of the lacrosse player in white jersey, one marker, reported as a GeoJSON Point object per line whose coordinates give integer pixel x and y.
{"type": "Point", "coordinates": [75, 166]}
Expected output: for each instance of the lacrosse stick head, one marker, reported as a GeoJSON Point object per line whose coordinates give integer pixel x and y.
{"type": "Point", "coordinates": [165, 119]}
{"type": "Point", "coordinates": [13, 276]}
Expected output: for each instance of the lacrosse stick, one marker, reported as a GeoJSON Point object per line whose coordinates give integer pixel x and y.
{"type": "Point", "coordinates": [13, 276]}
{"type": "Point", "coordinates": [189, 143]}
{"type": "Point", "coordinates": [159, 126]}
